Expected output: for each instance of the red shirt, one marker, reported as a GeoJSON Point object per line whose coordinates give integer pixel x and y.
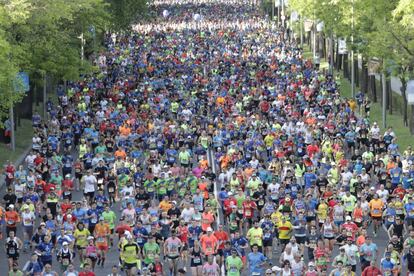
{"type": "Point", "coordinates": [84, 273]}
{"type": "Point", "coordinates": [312, 149]}
{"type": "Point", "coordinates": [227, 203]}
{"type": "Point", "coordinates": [351, 229]}
{"type": "Point", "coordinates": [248, 209]}
{"type": "Point", "coordinates": [47, 188]}
{"type": "Point", "coordinates": [222, 237]}
{"type": "Point", "coordinates": [183, 233]}
{"type": "Point", "coordinates": [120, 229]}
{"type": "Point", "coordinates": [67, 185]}
{"type": "Point", "coordinates": [400, 192]}
{"type": "Point", "coordinates": [65, 207]}
{"type": "Point", "coordinates": [371, 271]}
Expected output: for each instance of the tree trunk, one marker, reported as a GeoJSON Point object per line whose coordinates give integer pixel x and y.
{"type": "Point", "coordinates": [373, 86]}
{"type": "Point", "coordinates": [346, 66]}
{"type": "Point", "coordinates": [331, 53]}
{"type": "Point", "coordinates": [412, 120]}
{"type": "Point", "coordinates": [364, 77]}
{"type": "Point", "coordinates": [357, 78]}
{"type": "Point", "coordinates": [337, 57]}
{"type": "Point", "coordinates": [389, 95]}
{"type": "Point", "coordinates": [405, 103]}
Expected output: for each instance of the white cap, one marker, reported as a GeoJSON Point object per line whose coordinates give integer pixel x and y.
{"type": "Point", "coordinates": [90, 238]}
{"type": "Point", "coordinates": [275, 269]}
{"type": "Point", "coordinates": [230, 193]}
{"type": "Point", "coordinates": [348, 218]}
{"type": "Point", "coordinates": [311, 264]}
{"type": "Point", "coordinates": [209, 229]}
{"type": "Point", "coordinates": [65, 243]}
{"type": "Point", "coordinates": [11, 206]}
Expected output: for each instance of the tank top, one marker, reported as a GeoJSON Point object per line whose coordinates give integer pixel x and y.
{"type": "Point", "coordinates": [398, 229]}
{"type": "Point", "coordinates": [12, 246]}
{"type": "Point", "coordinates": [328, 230]}
{"type": "Point", "coordinates": [196, 260]}
{"type": "Point", "coordinates": [65, 257]}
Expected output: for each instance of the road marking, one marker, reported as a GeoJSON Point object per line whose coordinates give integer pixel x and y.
{"type": "Point", "coordinates": [212, 163]}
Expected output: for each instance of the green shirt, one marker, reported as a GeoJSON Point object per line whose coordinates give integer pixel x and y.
{"type": "Point", "coordinates": [233, 265]}
{"type": "Point", "coordinates": [184, 157]}
{"type": "Point", "coordinates": [110, 218]}
{"type": "Point", "coordinates": [130, 253]}
{"type": "Point", "coordinates": [150, 250]}
{"type": "Point", "coordinates": [100, 149]}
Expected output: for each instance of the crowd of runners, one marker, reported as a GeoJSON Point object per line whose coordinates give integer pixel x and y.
{"type": "Point", "coordinates": [207, 145]}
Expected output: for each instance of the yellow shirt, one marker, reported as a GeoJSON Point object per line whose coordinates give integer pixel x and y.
{"type": "Point", "coordinates": [255, 236]}
{"type": "Point", "coordinates": [276, 216]}
{"type": "Point", "coordinates": [285, 230]}
{"type": "Point", "coordinates": [322, 211]}
{"type": "Point", "coordinates": [81, 237]}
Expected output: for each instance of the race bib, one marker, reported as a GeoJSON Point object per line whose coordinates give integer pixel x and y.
{"type": "Point", "coordinates": [12, 251]}
{"type": "Point", "coordinates": [377, 212]}
{"type": "Point", "coordinates": [197, 260]}
{"type": "Point", "coordinates": [65, 262]}
{"type": "Point", "coordinates": [248, 213]}
{"type": "Point", "coordinates": [100, 239]}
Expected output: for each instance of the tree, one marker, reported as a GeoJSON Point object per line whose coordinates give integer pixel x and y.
{"type": "Point", "coordinates": [125, 12]}
{"type": "Point", "coordinates": [8, 67]}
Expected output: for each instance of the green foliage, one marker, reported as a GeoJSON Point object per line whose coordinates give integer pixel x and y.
{"type": "Point", "coordinates": [126, 12]}
{"type": "Point", "coordinates": [41, 37]}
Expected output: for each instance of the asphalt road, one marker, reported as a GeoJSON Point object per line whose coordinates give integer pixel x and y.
{"type": "Point", "coordinates": [112, 258]}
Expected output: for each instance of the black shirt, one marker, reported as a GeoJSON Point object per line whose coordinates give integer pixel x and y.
{"type": "Point", "coordinates": [10, 199]}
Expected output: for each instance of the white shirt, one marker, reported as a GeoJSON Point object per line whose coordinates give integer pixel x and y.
{"type": "Point", "coordinates": [28, 218]}
{"type": "Point", "coordinates": [350, 251]}
{"type": "Point", "coordinates": [187, 214]}
{"type": "Point", "coordinates": [90, 181]}
{"type": "Point", "coordinates": [383, 194]}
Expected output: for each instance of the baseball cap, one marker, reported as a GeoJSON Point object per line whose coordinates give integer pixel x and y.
{"type": "Point", "coordinates": [209, 229]}
{"type": "Point", "coordinates": [348, 218]}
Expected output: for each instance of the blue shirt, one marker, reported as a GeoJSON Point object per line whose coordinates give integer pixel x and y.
{"type": "Point", "coordinates": [369, 251]}
{"type": "Point", "coordinates": [255, 261]}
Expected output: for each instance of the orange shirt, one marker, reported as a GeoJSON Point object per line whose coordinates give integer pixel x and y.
{"type": "Point", "coordinates": [220, 101]}
{"type": "Point", "coordinates": [203, 164]}
{"type": "Point", "coordinates": [124, 130]}
{"type": "Point", "coordinates": [120, 153]}
{"type": "Point", "coordinates": [360, 240]}
{"type": "Point", "coordinates": [203, 187]}
{"type": "Point", "coordinates": [101, 232]}
{"type": "Point", "coordinates": [248, 172]}
{"type": "Point", "coordinates": [206, 220]}
{"type": "Point", "coordinates": [358, 215]}
{"type": "Point", "coordinates": [376, 206]}
{"type": "Point", "coordinates": [208, 244]}
{"type": "Point", "coordinates": [12, 217]}
{"type": "Point", "coordinates": [165, 205]}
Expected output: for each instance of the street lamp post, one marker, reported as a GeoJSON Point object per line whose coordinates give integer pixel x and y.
{"type": "Point", "coordinates": [314, 30]}
{"type": "Point", "coordinates": [82, 39]}
{"type": "Point", "coordinates": [352, 54]}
